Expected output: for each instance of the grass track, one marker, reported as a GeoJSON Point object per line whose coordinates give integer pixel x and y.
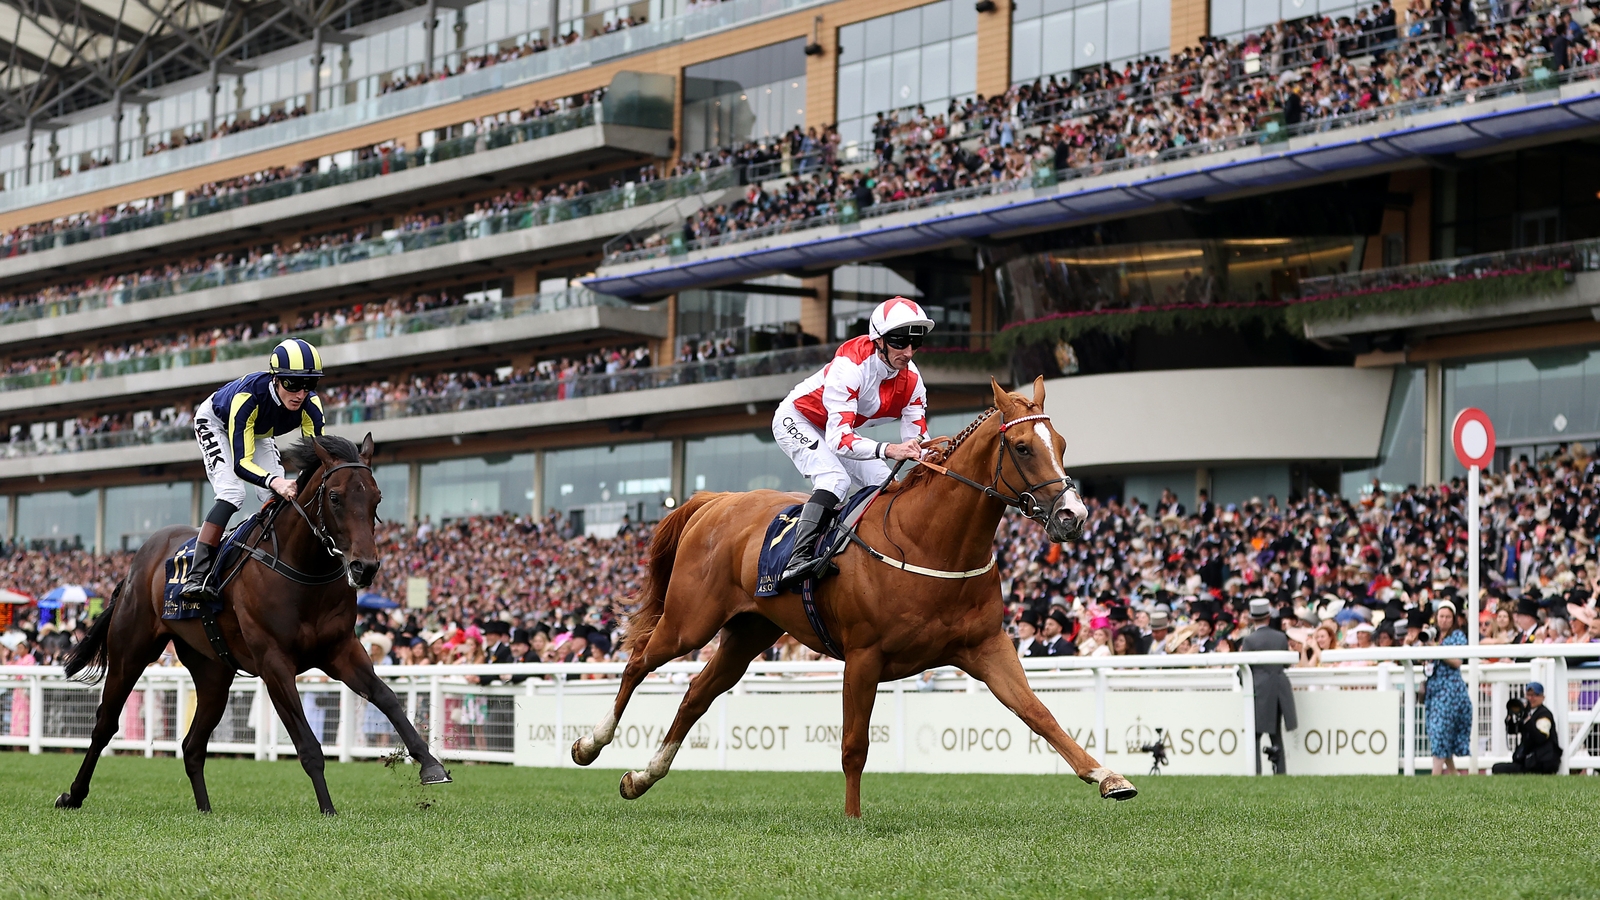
{"type": "Point", "coordinates": [500, 831]}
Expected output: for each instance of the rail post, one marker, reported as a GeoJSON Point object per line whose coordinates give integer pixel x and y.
{"type": "Point", "coordinates": [722, 730]}
{"type": "Point", "coordinates": [435, 715]}
{"type": "Point", "coordinates": [561, 718]}
{"type": "Point", "coordinates": [1563, 709]}
{"type": "Point", "coordinates": [346, 723]}
{"type": "Point", "coordinates": [151, 698]}
{"type": "Point", "coordinates": [1409, 730]}
{"type": "Point", "coordinates": [261, 705]}
{"type": "Point", "coordinates": [900, 721]}
{"type": "Point", "coordinates": [35, 715]}
{"type": "Point", "coordinates": [1100, 729]}
{"type": "Point", "coordinates": [1247, 685]}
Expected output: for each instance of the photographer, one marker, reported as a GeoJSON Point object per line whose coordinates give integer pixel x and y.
{"type": "Point", "coordinates": [1539, 750]}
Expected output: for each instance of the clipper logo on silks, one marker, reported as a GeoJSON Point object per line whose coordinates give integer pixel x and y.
{"type": "Point", "coordinates": [797, 434]}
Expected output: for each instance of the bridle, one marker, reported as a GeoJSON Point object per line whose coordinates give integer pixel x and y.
{"type": "Point", "coordinates": [320, 532]}
{"type": "Point", "coordinates": [1024, 501]}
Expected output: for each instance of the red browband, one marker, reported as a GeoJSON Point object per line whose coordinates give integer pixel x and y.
{"type": "Point", "coordinates": [1033, 418]}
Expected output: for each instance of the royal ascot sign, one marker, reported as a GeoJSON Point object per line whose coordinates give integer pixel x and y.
{"type": "Point", "coordinates": [1354, 732]}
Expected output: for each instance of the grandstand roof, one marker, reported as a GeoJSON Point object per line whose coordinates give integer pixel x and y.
{"type": "Point", "coordinates": [62, 56]}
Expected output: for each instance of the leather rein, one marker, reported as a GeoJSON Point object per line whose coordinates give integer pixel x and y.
{"type": "Point", "coordinates": [274, 559]}
{"type": "Point", "coordinates": [1024, 500]}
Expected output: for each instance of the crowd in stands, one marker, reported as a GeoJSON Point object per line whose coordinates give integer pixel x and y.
{"type": "Point", "coordinates": [1309, 73]}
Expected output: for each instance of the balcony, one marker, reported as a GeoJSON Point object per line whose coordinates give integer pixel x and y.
{"type": "Point", "coordinates": [548, 147]}
{"type": "Point", "coordinates": [504, 327]}
{"type": "Point", "coordinates": [394, 260]}
{"type": "Point", "coordinates": [731, 382]}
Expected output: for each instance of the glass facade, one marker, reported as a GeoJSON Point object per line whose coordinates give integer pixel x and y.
{"type": "Point", "coordinates": [477, 485]}
{"type": "Point", "coordinates": [1537, 401]}
{"type": "Point", "coordinates": [59, 519]}
{"type": "Point", "coordinates": [1231, 18]}
{"type": "Point", "coordinates": [925, 57]}
{"type": "Point", "coordinates": [756, 94]}
{"type": "Point", "coordinates": [1400, 464]}
{"type": "Point", "coordinates": [1057, 37]}
{"type": "Point", "coordinates": [394, 481]}
{"type": "Point", "coordinates": [596, 486]}
{"type": "Point", "coordinates": [135, 512]}
{"type": "Point", "coordinates": [739, 462]}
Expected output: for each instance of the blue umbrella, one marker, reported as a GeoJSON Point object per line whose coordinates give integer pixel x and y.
{"type": "Point", "coordinates": [67, 593]}
{"type": "Point", "coordinates": [375, 601]}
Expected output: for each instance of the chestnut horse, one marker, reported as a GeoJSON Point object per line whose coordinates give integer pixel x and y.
{"type": "Point", "coordinates": [888, 622]}
{"type": "Point", "coordinates": [277, 619]}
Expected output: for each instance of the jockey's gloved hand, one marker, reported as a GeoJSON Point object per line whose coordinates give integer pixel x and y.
{"type": "Point", "coordinates": [911, 449]}
{"type": "Point", "coordinates": [283, 487]}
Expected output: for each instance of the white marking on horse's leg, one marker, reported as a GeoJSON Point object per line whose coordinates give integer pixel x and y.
{"type": "Point", "coordinates": [1096, 776]}
{"type": "Point", "coordinates": [660, 764]}
{"type": "Point", "coordinates": [590, 745]}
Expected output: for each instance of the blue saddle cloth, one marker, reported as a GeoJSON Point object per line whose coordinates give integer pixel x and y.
{"type": "Point", "coordinates": [778, 545]}
{"type": "Point", "coordinates": [173, 606]}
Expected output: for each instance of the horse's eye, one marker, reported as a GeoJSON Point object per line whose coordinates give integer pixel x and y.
{"type": "Point", "coordinates": [1022, 449]}
{"type": "Point", "coordinates": [333, 498]}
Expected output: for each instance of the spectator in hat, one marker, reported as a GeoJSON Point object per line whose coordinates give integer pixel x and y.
{"type": "Point", "coordinates": [1526, 620]}
{"type": "Point", "coordinates": [1160, 627]}
{"type": "Point", "coordinates": [496, 642]}
{"type": "Point", "coordinates": [1539, 750]}
{"type": "Point", "coordinates": [1449, 707]}
{"type": "Point", "coordinates": [1274, 696]}
{"type": "Point", "coordinates": [1056, 643]}
{"type": "Point", "coordinates": [1027, 640]}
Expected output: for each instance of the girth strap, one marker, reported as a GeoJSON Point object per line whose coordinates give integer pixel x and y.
{"type": "Point", "coordinates": [219, 644]}
{"type": "Point", "coordinates": [808, 602]}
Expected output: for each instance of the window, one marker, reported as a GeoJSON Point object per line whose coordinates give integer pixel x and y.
{"type": "Point", "coordinates": [756, 94]}
{"type": "Point", "coordinates": [1056, 37]}
{"type": "Point", "coordinates": [135, 512]}
{"type": "Point", "coordinates": [482, 485]}
{"type": "Point", "coordinates": [739, 462]}
{"type": "Point", "coordinates": [918, 57]}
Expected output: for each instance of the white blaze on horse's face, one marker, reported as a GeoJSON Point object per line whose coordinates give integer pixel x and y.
{"type": "Point", "coordinates": [1068, 514]}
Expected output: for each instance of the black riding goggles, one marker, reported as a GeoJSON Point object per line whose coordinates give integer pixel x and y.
{"type": "Point", "coordinates": [900, 339]}
{"type": "Point", "coordinates": [295, 385]}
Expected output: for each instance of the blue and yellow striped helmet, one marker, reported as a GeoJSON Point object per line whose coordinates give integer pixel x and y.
{"type": "Point", "coordinates": [295, 357]}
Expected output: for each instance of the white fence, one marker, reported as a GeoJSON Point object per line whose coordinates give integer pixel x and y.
{"type": "Point", "coordinates": [1110, 704]}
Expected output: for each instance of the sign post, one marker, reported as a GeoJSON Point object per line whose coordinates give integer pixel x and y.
{"type": "Point", "coordinates": [1473, 438]}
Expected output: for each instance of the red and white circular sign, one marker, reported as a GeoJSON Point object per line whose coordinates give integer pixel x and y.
{"type": "Point", "coordinates": [1473, 437]}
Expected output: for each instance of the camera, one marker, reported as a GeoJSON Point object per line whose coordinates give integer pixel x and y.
{"type": "Point", "coordinates": [1516, 711]}
{"type": "Point", "coordinates": [1429, 635]}
{"type": "Point", "coordinates": [1157, 750]}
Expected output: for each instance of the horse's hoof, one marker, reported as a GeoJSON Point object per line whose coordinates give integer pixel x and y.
{"type": "Point", "coordinates": [436, 774]}
{"type": "Point", "coordinates": [581, 758]}
{"type": "Point", "coordinates": [633, 788]}
{"type": "Point", "coordinates": [1115, 787]}
{"type": "Point", "coordinates": [65, 801]}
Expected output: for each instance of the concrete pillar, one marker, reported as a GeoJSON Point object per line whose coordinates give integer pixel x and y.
{"type": "Point", "coordinates": [816, 313]}
{"type": "Point", "coordinates": [429, 26]}
{"type": "Point", "coordinates": [1191, 20]}
{"type": "Point", "coordinates": [196, 498]}
{"type": "Point", "coordinates": [316, 70]}
{"type": "Point", "coordinates": [100, 522]}
{"type": "Point", "coordinates": [27, 152]}
{"type": "Point", "coordinates": [669, 344]}
{"type": "Point", "coordinates": [822, 77]}
{"type": "Point", "coordinates": [414, 493]}
{"type": "Point", "coordinates": [994, 49]}
{"type": "Point", "coordinates": [213, 89]}
{"type": "Point", "coordinates": [1433, 425]}
{"type": "Point", "coordinates": [11, 517]}
{"type": "Point", "coordinates": [116, 129]}
{"type": "Point", "coordinates": [525, 283]}
{"type": "Point", "coordinates": [538, 484]}
{"type": "Point", "coordinates": [1202, 482]}
{"type": "Point", "coordinates": [678, 488]}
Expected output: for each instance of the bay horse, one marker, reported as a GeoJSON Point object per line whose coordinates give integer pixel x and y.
{"type": "Point", "coordinates": [887, 622]}
{"type": "Point", "coordinates": [293, 611]}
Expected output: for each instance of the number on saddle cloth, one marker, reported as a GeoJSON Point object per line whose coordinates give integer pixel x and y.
{"type": "Point", "coordinates": [778, 544]}
{"type": "Point", "coordinates": [173, 606]}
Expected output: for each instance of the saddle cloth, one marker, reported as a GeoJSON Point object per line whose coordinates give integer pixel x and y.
{"type": "Point", "coordinates": [778, 545]}
{"type": "Point", "coordinates": [173, 606]}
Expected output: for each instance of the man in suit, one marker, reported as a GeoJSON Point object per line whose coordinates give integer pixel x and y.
{"type": "Point", "coordinates": [1526, 619]}
{"type": "Point", "coordinates": [1055, 636]}
{"type": "Point", "coordinates": [1160, 626]}
{"type": "Point", "coordinates": [1028, 635]}
{"type": "Point", "coordinates": [1274, 696]}
{"type": "Point", "coordinates": [496, 644]}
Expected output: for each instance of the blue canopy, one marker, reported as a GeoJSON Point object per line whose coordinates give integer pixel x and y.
{"type": "Point", "coordinates": [375, 601]}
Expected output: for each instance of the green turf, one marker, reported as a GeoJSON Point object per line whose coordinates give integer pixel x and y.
{"type": "Point", "coordinates": [500, 831]}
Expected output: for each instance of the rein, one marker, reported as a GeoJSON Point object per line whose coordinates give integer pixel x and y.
{"type": "Point", "coordinates": [319, 531]}
{"type": "Point", "coordinates": [1023, 501]}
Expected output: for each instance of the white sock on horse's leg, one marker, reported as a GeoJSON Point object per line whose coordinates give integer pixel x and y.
{"type": "Point", "coordinates": [601, 736]}
{"type": "Point", "coordinates": [660, 764]}
{"type": "Point", "coordinates": [1101, 774]}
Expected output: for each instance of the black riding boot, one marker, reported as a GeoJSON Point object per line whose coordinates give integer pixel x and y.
{"type": "Point", "coordinates": [814, 519]}
{"type": "Point", "coordinates": [195, 587]}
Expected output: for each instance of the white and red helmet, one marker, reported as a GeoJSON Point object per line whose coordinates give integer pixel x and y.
{"type": "Point", "coordinates": [896, 313]}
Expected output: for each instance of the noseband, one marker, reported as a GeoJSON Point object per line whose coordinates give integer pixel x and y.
{"type": "Point", "coordinates": [321, 533]}
{"type": "Point", "coordinates": [1024, 500]}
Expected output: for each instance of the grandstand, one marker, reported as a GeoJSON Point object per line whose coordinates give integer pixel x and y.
{"type": "Point", "coordinates": [569, 257]}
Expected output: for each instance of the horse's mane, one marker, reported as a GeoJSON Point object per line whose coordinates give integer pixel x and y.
{"type": "Point", "coordinates": [922, 473]}
{"type": "Point", "coordinates": [303, 456]}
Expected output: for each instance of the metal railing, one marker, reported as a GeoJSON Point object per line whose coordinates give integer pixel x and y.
{"type": "Point", "coordinates": [1570, 257]}
{"type": "Point", "coordinates": [386, 163]}
{"type": "Point", "coordinates": [1045, 176]}
{"type": "Point", "coordinates": [40, 709]}
{"type": "Point", "coordinates": [390, 243]}
{"type": "Point", "coordinates": [370, 329]}
{"type": "Point", "coordinates": [638, 38]}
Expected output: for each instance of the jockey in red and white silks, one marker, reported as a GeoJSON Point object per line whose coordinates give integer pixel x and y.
{"type": "Point", "coordinates": [870, 381]}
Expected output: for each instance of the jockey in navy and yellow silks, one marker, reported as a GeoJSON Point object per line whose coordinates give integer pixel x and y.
{"type": "Point", "coordinates": [237, 428]}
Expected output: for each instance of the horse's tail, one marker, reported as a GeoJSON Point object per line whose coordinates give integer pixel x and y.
{"type": "Point", "coordinates": [663, 550]}
{"type": "Point", "coordinates": [88, 660]}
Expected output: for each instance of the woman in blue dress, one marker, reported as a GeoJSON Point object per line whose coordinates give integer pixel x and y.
{"type": "Point", "coordinates": [1449, 706]}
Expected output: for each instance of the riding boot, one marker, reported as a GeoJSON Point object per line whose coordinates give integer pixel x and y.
{"type": "Point", "coordinates": [196, 588]}
{"type": "Point", "coordinates": [814, 520]}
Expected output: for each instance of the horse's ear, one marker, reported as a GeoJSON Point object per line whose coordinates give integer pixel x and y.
{"type": "Point", "coordinates": [1038, 392]}
{"type": "Point", "coordinates": [1002, 397]}
{"type": "Point", "coordinates": [328, 461]}
{"type": "Point", "coordinates": [367, 448]}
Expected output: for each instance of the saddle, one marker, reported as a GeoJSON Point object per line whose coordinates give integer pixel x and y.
{"type": "Point", "coordinates": [778, 545]}
{"type": "Point", "coordinates": [173, 606]}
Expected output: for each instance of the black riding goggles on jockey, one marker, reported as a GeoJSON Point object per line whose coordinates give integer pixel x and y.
{"type": "Point", "coordinates": [901, 338]}
{"type": "Point", "coordinates": [295, 385]}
